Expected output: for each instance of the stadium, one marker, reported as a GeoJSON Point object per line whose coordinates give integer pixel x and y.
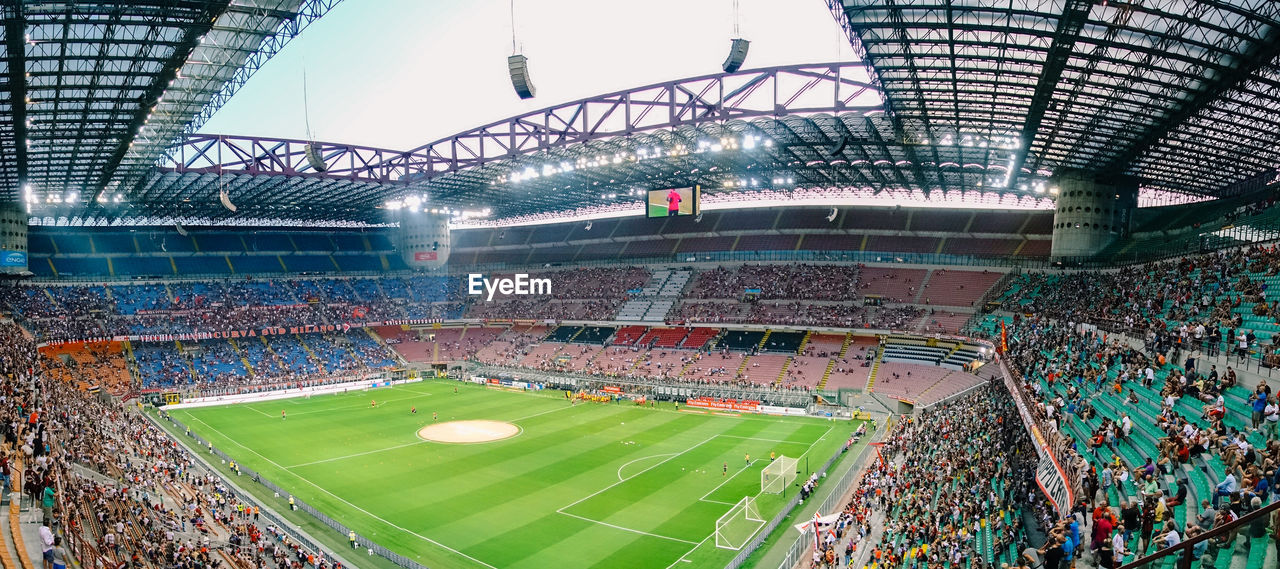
{"type": "Point", "coordinates": [898, 284]}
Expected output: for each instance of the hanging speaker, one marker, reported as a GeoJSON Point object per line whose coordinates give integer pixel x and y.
{"type": "Point", "coordinates": [314, 158]}
{"type": "Point", "coordinates": [518, 66]}
{"type": "Point", "coordinates": [737, 55]}
{"type": "Point", "coordinates": [226, 200]}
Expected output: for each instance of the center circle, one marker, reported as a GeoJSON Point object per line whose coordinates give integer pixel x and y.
{"type": "Point", "coordinates": [468, 431]}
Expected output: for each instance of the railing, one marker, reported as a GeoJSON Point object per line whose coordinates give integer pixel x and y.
{"type": "Point", "coordinates": [799, 550]}
{"type": "Point", "coordinates": [1226, 352]}
{"type": "Point", "coordinates": [294, 534]}
{"type": "Point", "coordinates": [762, 535]}
{"type": "Point", "coordinates": [1186, 550]}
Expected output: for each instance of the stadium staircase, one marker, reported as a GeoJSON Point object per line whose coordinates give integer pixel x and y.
{"type": "Point", "coordinates": [400, 360]}
{"type": "Point", "coordinates": [875, 367]}
{"type": "Point", "coordinates": [831, 365]}
{"type": "Point", "coordinates": [848, 340]}
{"type": "Point", "coordinates": [923, 284]}
{"type": "Point", "coordinates": [920, 396]}
{"type": "Point", "coordinates": [311, 353]}
{"type": "Point", "coordinates": [248, 367]}
{"type": "Point", "coordinates": [742, 367]}
{"type": "Point", "coordinates": [191, 366]}
{"type": "Point", "coordinates": [782, 373]}
{"type": "Point", "coordinates": [657, 299]}
{"type": "Point", "coordinates": [804, 341]}
{"type": "Point", "coordinates": [763, 339]}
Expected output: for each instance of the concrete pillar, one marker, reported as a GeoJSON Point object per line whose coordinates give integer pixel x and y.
{"type": "Point", "coordinates": [1091, 213]}
{"type": "Point", "coordinates": [423, 239]}
{"type": "Point", "coordinates": [13, 239]}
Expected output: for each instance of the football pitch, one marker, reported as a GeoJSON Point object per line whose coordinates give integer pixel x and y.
{"type": "Point", "coordinates": [590, 485]}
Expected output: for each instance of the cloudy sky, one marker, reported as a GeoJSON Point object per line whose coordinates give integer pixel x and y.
{"type": "Point", "coordinates": [400, 73]}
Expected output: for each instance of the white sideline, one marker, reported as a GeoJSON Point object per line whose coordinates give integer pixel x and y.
{"type": "Point", "coordinates": [695, 548]}
{"type": "Point", "coordinates": [344, 501]}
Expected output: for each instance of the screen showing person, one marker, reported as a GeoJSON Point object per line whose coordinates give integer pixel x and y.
{"type": "Point", "coordinates": [673, 202]}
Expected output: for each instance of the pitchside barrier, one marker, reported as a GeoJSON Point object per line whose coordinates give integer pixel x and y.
{"type": "Point", "coordinates": [248, 474]}
{"type": "Point", "coordinates": [841, 487]}
{"type": "Point", "coordinates": [799, 550]}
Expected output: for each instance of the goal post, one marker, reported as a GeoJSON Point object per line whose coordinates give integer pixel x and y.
{"type": "Point", "coordinates": [735, 528]}
{"type": "Point", "coordinates": [780, 473]}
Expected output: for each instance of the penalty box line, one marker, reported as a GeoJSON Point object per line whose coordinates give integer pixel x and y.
{"type": "Point", "coordinates": [712, 534]}
{"type": "Point", "coordinates": [343, 500]}
{"type": "Point", "coordinates": [695, 544]}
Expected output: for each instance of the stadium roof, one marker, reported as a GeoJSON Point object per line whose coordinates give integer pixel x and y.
{"type": "Point", "coordinates": [958, 95]}
{"type": "Point", "coordinates": [784, 127]}
{"type": "Point", "coordinates": [1184, 94]}
{"type": "Point", "coordinates": [92, 93]}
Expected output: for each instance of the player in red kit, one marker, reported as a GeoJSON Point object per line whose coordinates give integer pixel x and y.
{"type": "Point", "coordinates": [673, 203]}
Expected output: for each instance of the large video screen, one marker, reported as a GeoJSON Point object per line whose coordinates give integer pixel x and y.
{"type": "Point", "coordinates": [673, 202]}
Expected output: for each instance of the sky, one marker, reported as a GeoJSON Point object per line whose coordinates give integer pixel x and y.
{"type": "Point", "coordinates": [398, 74]}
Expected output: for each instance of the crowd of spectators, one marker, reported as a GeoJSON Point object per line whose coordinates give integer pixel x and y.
{"type": "Point", "coordinates": [950, 486]}
{"type": "Point", "coordinates": [1190, 301]}
{"type": "Point", "coordinates": [1072, 374]}
{"type": "Point", "coordinates": [778, 281]}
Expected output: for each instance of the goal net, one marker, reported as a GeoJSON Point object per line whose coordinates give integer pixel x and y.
{"type": "Point", "coordinates": [778, 474]}
{"type": "Point", "coordinates": [736, 527]}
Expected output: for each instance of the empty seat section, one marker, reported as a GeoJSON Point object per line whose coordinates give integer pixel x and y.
{"type": "Point", "coordinates": [309, 263]}
{"type": "Point", "coordinates": [767, 243]}
{"type": "Point", "coordinates": [698, 337]}
{"type": "Point", "coordinates": [902, 244]}
{"type": "Point", "coordinates": [594, 335]}
{"type": "Point", "coordinates": [628, 335]}
{"type": "Point", "coordinates": [896, 285]}
{"type": "Point", "coordinates": [649, 248]}
{"type": "Point", "coordinates": [81, 266]}
{"type": "Point", "coordinates": [353, 263]}
{"type": "Point", "coordinates": [277, 242]}
{"type": "Point", "coordinates": [783, 342]}
{"type": "Point", "coordinates": [164, 243]}
{"type": "Point", "coordinates": [562, 333]}
{"type": "Point", "coordinates": [40, 244]}
{"type": "Point", "coordinates": [831, 243]}
{"type": "Point", "coordinates": [72, 244]}
{"type": "Point", "coordinates": [951, 221]}
{"type": "Point", "coordinates": [957, 288]}
{"type": "Point", "coordinates": [142, 266]}
{"type": "Point", "coordinates": [381, 242]}
{"type": "Point", "coordinates": [558, 254]}
{"type": "Point", "coordinates": [347, 242]}
{"type": "Point", "coordinates": [307, 242]}
{"type": "Point", "coordinates": [219, 243]}
{"type": "Point", "coordinates": [113, 243]}
{"type": "Point", "coordinates": [741, 340]}
{"type": "Point", "coordinates": [251, 264]}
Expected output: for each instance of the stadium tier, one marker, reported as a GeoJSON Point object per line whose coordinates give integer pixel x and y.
{"type": "Point", "coordinates": [1002, 290]}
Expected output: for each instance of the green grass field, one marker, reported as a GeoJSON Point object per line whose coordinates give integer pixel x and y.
{"type": "Point", "coordinates": [592, 485]}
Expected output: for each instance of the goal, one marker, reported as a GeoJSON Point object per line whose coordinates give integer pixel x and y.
{"type": "Point", "coordinates": [778, 474]}
{"type": "Point", "coordinates": [735, 529]}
